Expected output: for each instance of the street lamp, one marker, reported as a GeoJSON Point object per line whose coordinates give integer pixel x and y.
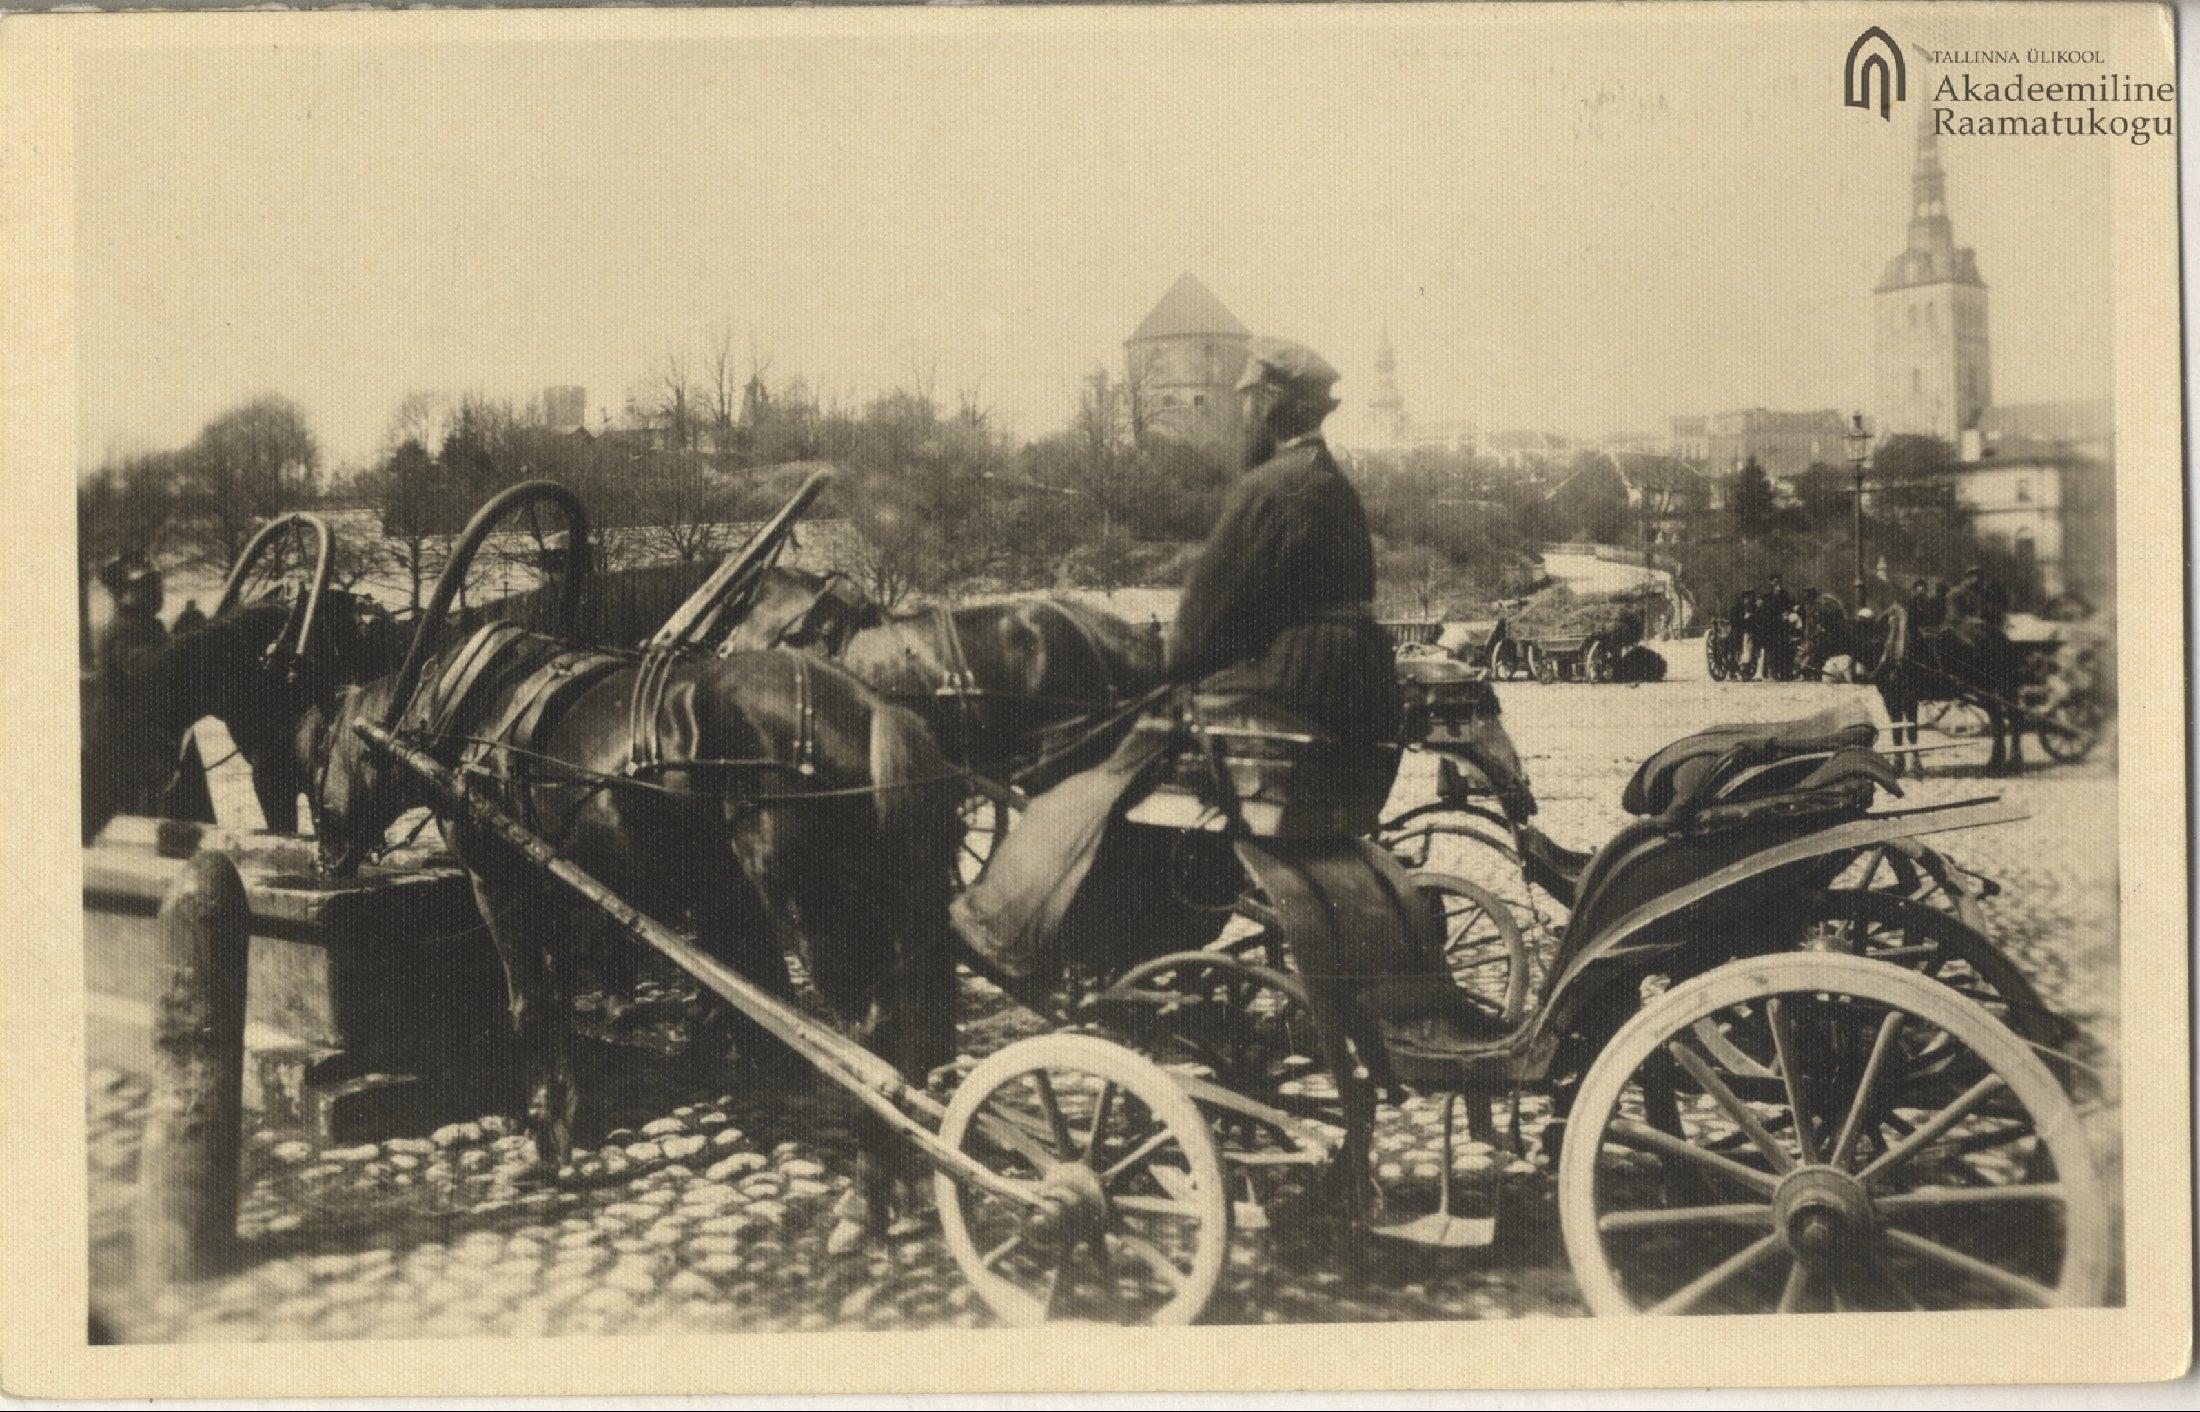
{"type": "Point", "coordinates": [1860, 450]}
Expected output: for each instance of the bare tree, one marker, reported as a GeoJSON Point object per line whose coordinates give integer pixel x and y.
{"type": "Point", "coordinates": [250, 462]}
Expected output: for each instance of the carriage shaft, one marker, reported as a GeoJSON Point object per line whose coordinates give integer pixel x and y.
{"type": "Point", "coordinates": [873, 1081]}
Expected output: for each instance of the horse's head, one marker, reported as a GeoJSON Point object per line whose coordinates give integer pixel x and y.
{"type": "Point", "coordinates": [355, 792]}
{"type": "Point", "coordinates": [1482, 756]}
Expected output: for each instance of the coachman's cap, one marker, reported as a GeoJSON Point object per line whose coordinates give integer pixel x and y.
{"type": "Point", "coordinates": [1292, 367]}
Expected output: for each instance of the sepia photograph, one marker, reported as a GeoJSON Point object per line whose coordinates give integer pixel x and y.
{"type": "Point", "coordinates": [842, 673]}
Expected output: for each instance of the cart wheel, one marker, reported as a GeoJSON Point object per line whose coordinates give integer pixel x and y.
{"type": "Point", "coordinates": [1483, 948]}
{"type": "Point", "coordinates": [1540, 662]}
{"type": "Point", "coordinates": [1835, 1133]}
{"type": "Point", "coordinates": [985, 823]}
{"type": "Point", "coordinates": [1132, 1221]}
{"type": "Point", "coordinates": [2074, 728]}
{"type": "Point", "coordinates": [1596, 662]}
{"type": "Point", "coordinates": [1714, 661]}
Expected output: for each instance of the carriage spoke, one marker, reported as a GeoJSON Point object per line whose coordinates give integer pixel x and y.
{"type": "Point", "coordinates": [1853, 1125]}
{"type": "Point", "coordinates": [1012, 1134]}
{"type": "Point", "coordinates": [1688, 1296]}
{"type": "Point", "coordinates": [1002, 1251]}
{"type": "Point", "coordinates": [1137, 1155]}
{"type": "Point", "coordinates": [1743, 1115]}
{"type": "Point", "coordinates": [1153, 1256]}
{"type": "Point", "coordinates": [1926, 1198]}
{"type": "Point", "coordinates": [1044, 1083]}
{"type": "Point", "coordinates": [1791, 1075]}
{"type": "Point", "coordinates": [1797, 1286]}
{"type": "Point", "coordinates": [2015, 1285]}
{"type": "Point", "coordinates": [1939, 1123]}
{"type": "Point", "coordinates": [1722, 1049]}
{"type": "Point", "coordinates": [1649, 1139]}
{"type": "Point", "coordinates": [1099, 1123]}
{"type": "Point", "coordinates": [1657, 1218]}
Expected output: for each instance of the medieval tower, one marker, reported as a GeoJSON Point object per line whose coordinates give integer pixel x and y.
{"type": "Point", "coordinates": [1933, 373]}
{"type": "Point", "coordinates": [1183, 362]}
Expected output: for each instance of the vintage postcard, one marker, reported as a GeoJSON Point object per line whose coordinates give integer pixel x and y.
{"type": "Point", "coordinates": [1093, 698]}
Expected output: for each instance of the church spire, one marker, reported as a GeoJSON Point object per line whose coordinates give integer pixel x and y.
{"type": "Point", "coordinates": [1931, 255]}
{"type": "Point", "coordinates": [1930, 229]}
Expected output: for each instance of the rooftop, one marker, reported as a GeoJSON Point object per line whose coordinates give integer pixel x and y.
{"type": "Point", "coordinates": [1189, 309]}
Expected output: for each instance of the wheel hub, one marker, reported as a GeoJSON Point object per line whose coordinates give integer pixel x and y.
{"type": "Point", "coordinates": [1072, 1204]}
{"type": "Point", "coordinates": [1821, 1214]}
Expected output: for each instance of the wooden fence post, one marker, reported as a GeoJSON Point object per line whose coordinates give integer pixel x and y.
{"type": "Point", "coordinates": [186, 1225]}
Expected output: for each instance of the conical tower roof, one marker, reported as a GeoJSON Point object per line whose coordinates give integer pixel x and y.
{"type": "Point", "coordinates": [1189, 308]}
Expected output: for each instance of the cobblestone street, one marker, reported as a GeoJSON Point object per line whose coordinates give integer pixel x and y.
{"type": "Point", "coordinates": [701, 1211]}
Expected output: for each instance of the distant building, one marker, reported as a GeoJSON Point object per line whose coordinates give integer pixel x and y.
{"type": "Point", "coordinates": [1527, 450]}
{"type": "Point", "coordinates": [1689, 439]}
{"type": "Point", "coordinates": [1784, 443]}
{"type": "Point", "coordinates": [2086, 425]}
{"type": "Point", "coordinates": [1933, 370]}
{"type": "Point", "coordinates": [1387, 408]}
{"type": "Point", "coordinates": [565, 407]}
{"type": "Point", "coordinates": [1183, 362]}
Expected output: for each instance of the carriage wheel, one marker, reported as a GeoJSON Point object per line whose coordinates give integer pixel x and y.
{"type": "Point", "coordinates": [985, 823]}
{"type": "Point", "coordinates": [1248, 1025]}
{"type": "Point", "coordinates": [1483, 948]}
{"type": "Point", "coordinates": [1941, 947]}
{"type": "Point", "coordinates": [1541, 663]}
{"type": "Point", "coordinates": [2073, 729]}
{"type": "Point", "coordinates": [1840, 1134]}
{"type": "Point", "coordinates": [1132, 1221]}
{"type": "Point", "coordinates": [1596, 662]}
{"type": "Point", "coordinates": [1714, 660]}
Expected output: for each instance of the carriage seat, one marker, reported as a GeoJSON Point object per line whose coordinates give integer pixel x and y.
{"type": "Point", "coordinates": [1285, 776]}
{"type": "Point", "coordinates": [1674, 778]}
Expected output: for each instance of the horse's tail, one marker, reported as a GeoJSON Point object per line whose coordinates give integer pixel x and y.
{"type": "Point", "coordinates": [918, 791]}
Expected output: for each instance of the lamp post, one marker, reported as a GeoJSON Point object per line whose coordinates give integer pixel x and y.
{"type": "Point", "coordinates": [1860, 449]}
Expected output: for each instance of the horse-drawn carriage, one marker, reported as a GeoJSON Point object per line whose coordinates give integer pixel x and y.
{"type": "Point", "coordinates": [2033, 677]}
{"type": "Point", "coordinates": [1755, 1109]}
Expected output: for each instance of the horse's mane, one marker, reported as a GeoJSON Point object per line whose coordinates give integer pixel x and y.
{"type": "Point", "coordinates": [1133, 644]}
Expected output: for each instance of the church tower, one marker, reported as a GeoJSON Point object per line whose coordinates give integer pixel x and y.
{"type": "Point", "coordinates": [1933, 374]}
{"type": "Point", "coordinates": [1386, 409]}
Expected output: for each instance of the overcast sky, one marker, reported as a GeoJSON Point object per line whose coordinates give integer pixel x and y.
{"type": "Point", "coordinates": [1584, 222]}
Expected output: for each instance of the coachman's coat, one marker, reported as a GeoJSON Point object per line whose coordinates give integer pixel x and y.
{"type": "Point", "coordinates": [1277, 605]}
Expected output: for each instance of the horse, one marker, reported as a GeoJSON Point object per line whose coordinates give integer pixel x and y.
{"type": "Point", "coordinates": [235, 669]}
{"type": "Point", "coordinates": [1031, 691]}
{"type": "Point", "coordinates": [787, 805]}
{"type": "Point", "coordinates": [1967, 661]}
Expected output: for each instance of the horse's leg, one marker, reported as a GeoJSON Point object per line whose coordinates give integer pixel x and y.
{"type": "Point", "coordinates": [519, 914]}
{"type": "Point", "coordinates": [733, 924]}
{"type": "Point", "coordinates": [277, 783]}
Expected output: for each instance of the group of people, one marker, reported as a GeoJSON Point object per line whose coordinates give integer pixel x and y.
{"type": "Point", "coordinates": [1977, 597]}
{"type": "Point", "coordinates": [1764, 628]}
